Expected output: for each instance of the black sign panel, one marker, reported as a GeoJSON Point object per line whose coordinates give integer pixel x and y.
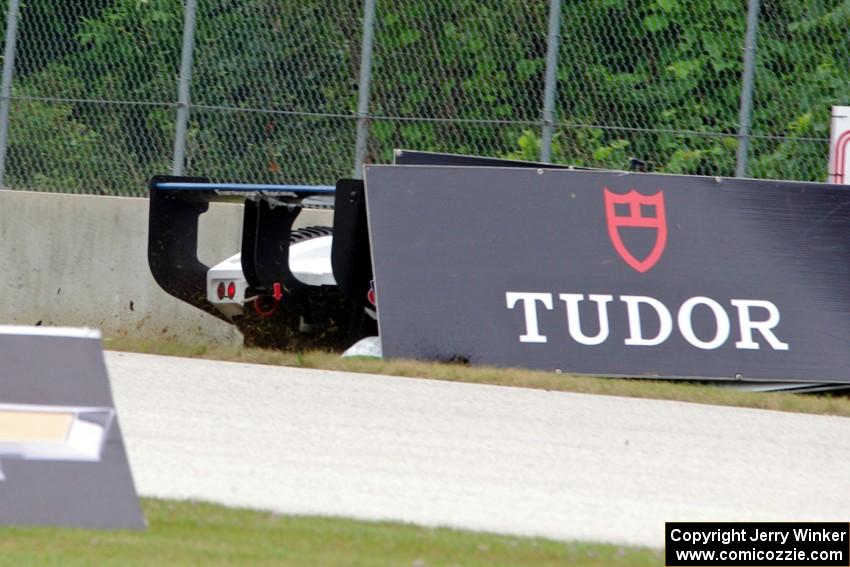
{"type": "Point", "coordinates": [62, 456]}
{"type": "Point", "coordinates": [414, 157]}
{"type": "Point", "coordinates": [613, 273]}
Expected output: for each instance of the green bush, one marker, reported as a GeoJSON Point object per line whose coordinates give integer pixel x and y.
{"type": "Point", "coordinates": [275, 87]}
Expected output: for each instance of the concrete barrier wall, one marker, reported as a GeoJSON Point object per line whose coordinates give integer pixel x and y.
{"type": "Point", "coordinates": [82, 260]}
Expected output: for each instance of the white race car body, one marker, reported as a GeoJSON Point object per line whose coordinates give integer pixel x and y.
{"type": "Point", "coordinates": [309, 262]}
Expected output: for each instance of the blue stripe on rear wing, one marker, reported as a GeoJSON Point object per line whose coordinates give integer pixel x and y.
{"type": "Point", "coordinates": [246, 187]}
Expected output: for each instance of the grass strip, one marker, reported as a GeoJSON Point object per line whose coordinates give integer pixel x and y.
{"type": "Point", "coordinates": [193, 533]}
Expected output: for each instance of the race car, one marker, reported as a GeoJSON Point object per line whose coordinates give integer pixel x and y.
{"type": "Point", "coordinates": [286, 288]}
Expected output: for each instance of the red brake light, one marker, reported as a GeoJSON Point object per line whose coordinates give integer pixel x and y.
{"type": "Point", "coordinates": [220, 290]}
{"type": "Point", "coordinates": [231, 290]}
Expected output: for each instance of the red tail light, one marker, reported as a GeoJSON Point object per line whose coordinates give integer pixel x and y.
{"type": "Point", "coordinates": [220, 290]}
{"type": "Point", "coordinates": [231, 290]}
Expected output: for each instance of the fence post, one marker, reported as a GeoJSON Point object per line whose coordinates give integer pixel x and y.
{"type": "Point", "coordinates": [6, 86]}
{"type": "Point", "coordinates": [183, 88]}
{"type": "Point", "coordinates": [747, 84]}
{"type": "Point", "coordinates": [551, 80]}
{"type": "Point", "coordinates": [363, 89]}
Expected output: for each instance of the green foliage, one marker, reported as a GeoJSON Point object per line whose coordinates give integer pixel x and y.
{"type": "Point", "coordinates": [285, 57]}
{"type": "Point", "coordinates": [124, 52]}
{"type": "Point", "coordinates": [274, 88]}
{"type": "Point", "coordinates": [668, 90]}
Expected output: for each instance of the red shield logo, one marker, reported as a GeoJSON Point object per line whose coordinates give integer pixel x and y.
{"type": "Point", "coordinates": [637, 205]}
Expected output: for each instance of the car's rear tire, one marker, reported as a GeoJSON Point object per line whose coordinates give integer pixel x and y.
{"type": "Point", "coordinates": [313, 317]}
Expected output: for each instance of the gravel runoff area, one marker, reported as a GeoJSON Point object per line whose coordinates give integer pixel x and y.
{"type": "Point", "coordinates": [508, 460]}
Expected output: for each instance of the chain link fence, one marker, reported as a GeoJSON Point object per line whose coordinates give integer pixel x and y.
{"type": "Point", "coordinates": [282, 91]}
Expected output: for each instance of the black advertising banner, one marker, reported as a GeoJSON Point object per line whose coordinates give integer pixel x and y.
{"type": "Point", "coordinates": [62, 456]}
{"type": "Point", "coordinates": [414, 157]}
{"type": "Point", "coordinates": [613, 273]}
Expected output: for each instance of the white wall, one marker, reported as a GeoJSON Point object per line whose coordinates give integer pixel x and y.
{"type": "Point", "coordinates": [81, 260]}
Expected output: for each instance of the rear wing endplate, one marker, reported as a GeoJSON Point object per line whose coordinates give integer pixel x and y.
{"type": "Point", "coordinates": [176, 204]}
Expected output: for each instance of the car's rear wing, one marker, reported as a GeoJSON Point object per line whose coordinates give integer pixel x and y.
{"type": "Point", "coordinates": [176, 204]}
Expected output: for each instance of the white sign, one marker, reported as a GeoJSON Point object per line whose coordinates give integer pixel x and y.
{"type": "Point", "coordinates": [838, 145]}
